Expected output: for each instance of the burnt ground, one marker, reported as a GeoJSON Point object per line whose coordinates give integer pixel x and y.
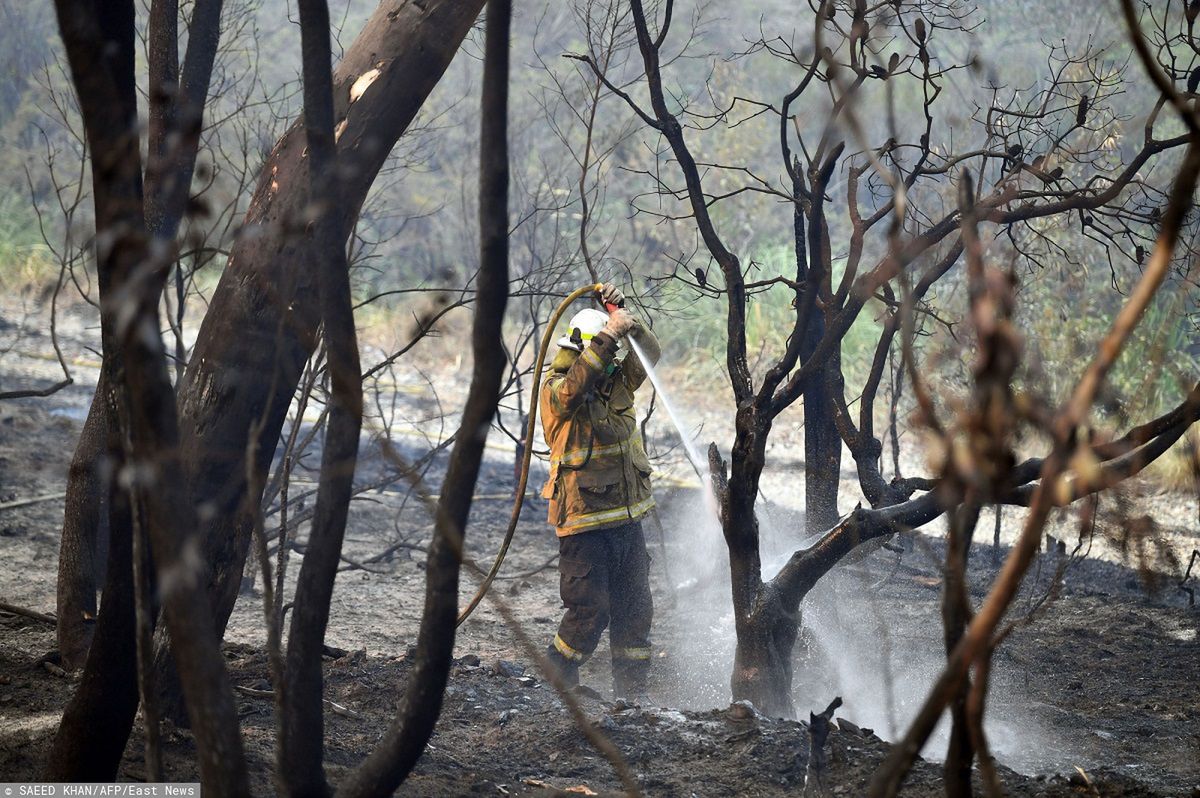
{"type": "Point", "coordinates": [1105, 678]}
{"type": "Point", "coordinates": [502, 732]}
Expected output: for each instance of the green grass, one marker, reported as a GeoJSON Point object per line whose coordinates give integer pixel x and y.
{"type": "Point", "coordinates": [694, 335]}
{"type": "Point", "coordinates": [25, 262]}
{"type": "Point", "coordinates": [1152, 375]}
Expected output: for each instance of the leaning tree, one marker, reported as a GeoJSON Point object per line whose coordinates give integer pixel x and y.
{"type": "Point", "coordinates": [263, 319]}
{"type": "Point", "coordinates": [879, 212]}
{"type": "Point", "coordinates": [211, 444]}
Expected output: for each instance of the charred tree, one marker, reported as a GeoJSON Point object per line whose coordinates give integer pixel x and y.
{"type": "Point", "coordinates": [95, 726]}
{"type": "Point", "coordinates": [176, 111]}
{"type": "Point", "coordinates": [261, 325]}
{"type": "Point", "coordinates": [1059, 481]}
{"type": "Point", "coordinates": [394, 63]}
{"type": "Point", "coordinates": [100, 50]}
{"type": "Point", "coordinates": [822, 442]}
{"type": "Point", "coordinates": [302, 738]}
{"type": "Point", "coordinates": [917, 253]}
{"type": "Point", "coordinates": [393, 759]}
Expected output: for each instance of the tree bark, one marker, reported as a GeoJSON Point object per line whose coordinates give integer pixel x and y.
{"type": "Point", "coordinates": [822, 443]}
{"type": "Point", "coordinates": [759, 674]}
{"type": "Point", "coordinates": [956, 614]}
{"type": "Point", "coordinates": [762, 670]}
{"type": "Point", "coordinates": [393, 759]}
{"type": "Point", "coordinates": [96, 723]}
{"type": "Point", "coordinates": [81, 553]}
{"type": "Point", "coordinates": [95, 726]}
{"type": "Point", "coordinates": [302, 726]}
{"type": "Point", "coordinates": [767, 630]}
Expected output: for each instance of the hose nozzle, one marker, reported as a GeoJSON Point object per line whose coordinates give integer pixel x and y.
{"type": "Point", "coordinates": [608, 306]}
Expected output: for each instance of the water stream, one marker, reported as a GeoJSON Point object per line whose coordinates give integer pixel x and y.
{"type": "Point", "coordinates": [698, 462]}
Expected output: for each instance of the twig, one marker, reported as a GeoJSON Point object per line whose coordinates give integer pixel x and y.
{"type": "Point", "coordinates": [1087, 782]}
{"type": "Point", "coordinates": [334, 707]}
{"type": "Point", "coordinates": [13, 609]}
{"type": "Point", "coordinates": [338, 709]}
{"type": "Point", "coordinates": [12, 505]}
{"type": "Point", "coordinates": [1191, 591]}
{"type": "Point", "coordinates": [282, 562]}
{"type": "Point", "coordinates": [28, 393]}
{"type": "Point", "coordinates": [527, 574]}
{"type": "Point", "coordinates": [302, 549]}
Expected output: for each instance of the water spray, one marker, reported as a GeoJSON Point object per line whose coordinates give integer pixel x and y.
{"type": "Point", "coordinates": [689, 446]}
{"type": "Point", "coordinates": [693, 454]}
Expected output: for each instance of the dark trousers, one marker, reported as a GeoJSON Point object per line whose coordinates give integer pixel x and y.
{"type": "Point", "coordinates": [604, 581]}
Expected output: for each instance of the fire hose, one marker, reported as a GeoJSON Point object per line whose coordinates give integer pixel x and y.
{"type": "Point", "coordinates": [523, 481]}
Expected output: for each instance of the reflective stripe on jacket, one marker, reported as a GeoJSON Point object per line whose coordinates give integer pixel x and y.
{"type": "Point", "coordinates": [599, 472]}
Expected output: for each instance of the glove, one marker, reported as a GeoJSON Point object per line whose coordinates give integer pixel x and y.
{"type": "Point", "coordinates": [620, 322]}
{"type": "Point", "coordinates": [611, 295]}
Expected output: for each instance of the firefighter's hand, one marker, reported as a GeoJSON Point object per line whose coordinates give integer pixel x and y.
{"type": "Point", "coordinates": [611, 295]}
{"type": "Point", "coordinates": [620, 322]}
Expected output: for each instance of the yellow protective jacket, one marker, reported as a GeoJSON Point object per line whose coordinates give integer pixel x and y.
{"type": "Point", "coordinates": [599, 472]}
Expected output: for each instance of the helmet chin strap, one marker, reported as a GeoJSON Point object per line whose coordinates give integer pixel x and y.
{"type": "Point", "coordinates": [577, 338]}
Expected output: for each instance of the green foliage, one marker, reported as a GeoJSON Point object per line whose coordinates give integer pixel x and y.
{"type": "Point", "coordinates": [24, 260]}
{"type": "Point", "coordinates": [694, 335]}
{"type": "Point", "coordinates": [1155, 371]}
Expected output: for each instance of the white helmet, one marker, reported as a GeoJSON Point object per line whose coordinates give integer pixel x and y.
{"type": "Point", "coordinates": [584, 325]}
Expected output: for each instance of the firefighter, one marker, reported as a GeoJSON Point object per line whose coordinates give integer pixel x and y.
{"type": "Point", "coordinates": [599, 490]}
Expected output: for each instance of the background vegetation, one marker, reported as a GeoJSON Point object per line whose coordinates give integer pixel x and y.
{"type": "Point", "coordinates": [417, 228]}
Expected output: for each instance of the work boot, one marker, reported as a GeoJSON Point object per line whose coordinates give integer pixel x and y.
{"type": "Point", "coordinates": [630, 679]}
{"type": "Point", "coordinates": [567, 670]}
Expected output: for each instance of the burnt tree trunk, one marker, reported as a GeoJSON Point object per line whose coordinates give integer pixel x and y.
{"type": "Point", "coordinates": [765, 632]}
{"type": "Point", "coordinates": [302, 726]}
{"type": "Point", "coordinates": [956, 614]}
{"type": "Point", "coordinates": [262, 321]}
{"type": "Point", "coordinates": [81, 553]}
{"type": "Point", "coordinates": [822, 443]}
{"type": "Point", "coordinates": [100, 51]}
{"type": "Point", "coordinates": [229, 384]}
{"type": "Point", "coordinates": [96, 723]}
{"type": "Point", "coordinates": [762, 671]}
{"type": "Point", "coordinates": [176, 112]}
{"type": "Point", "coordinates": [393, 759]}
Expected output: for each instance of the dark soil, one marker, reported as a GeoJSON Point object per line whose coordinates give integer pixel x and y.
{"type": "Point", "coordinates": [1104, 677]}
{"type": "Point", "coordinates": [503, 731]}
